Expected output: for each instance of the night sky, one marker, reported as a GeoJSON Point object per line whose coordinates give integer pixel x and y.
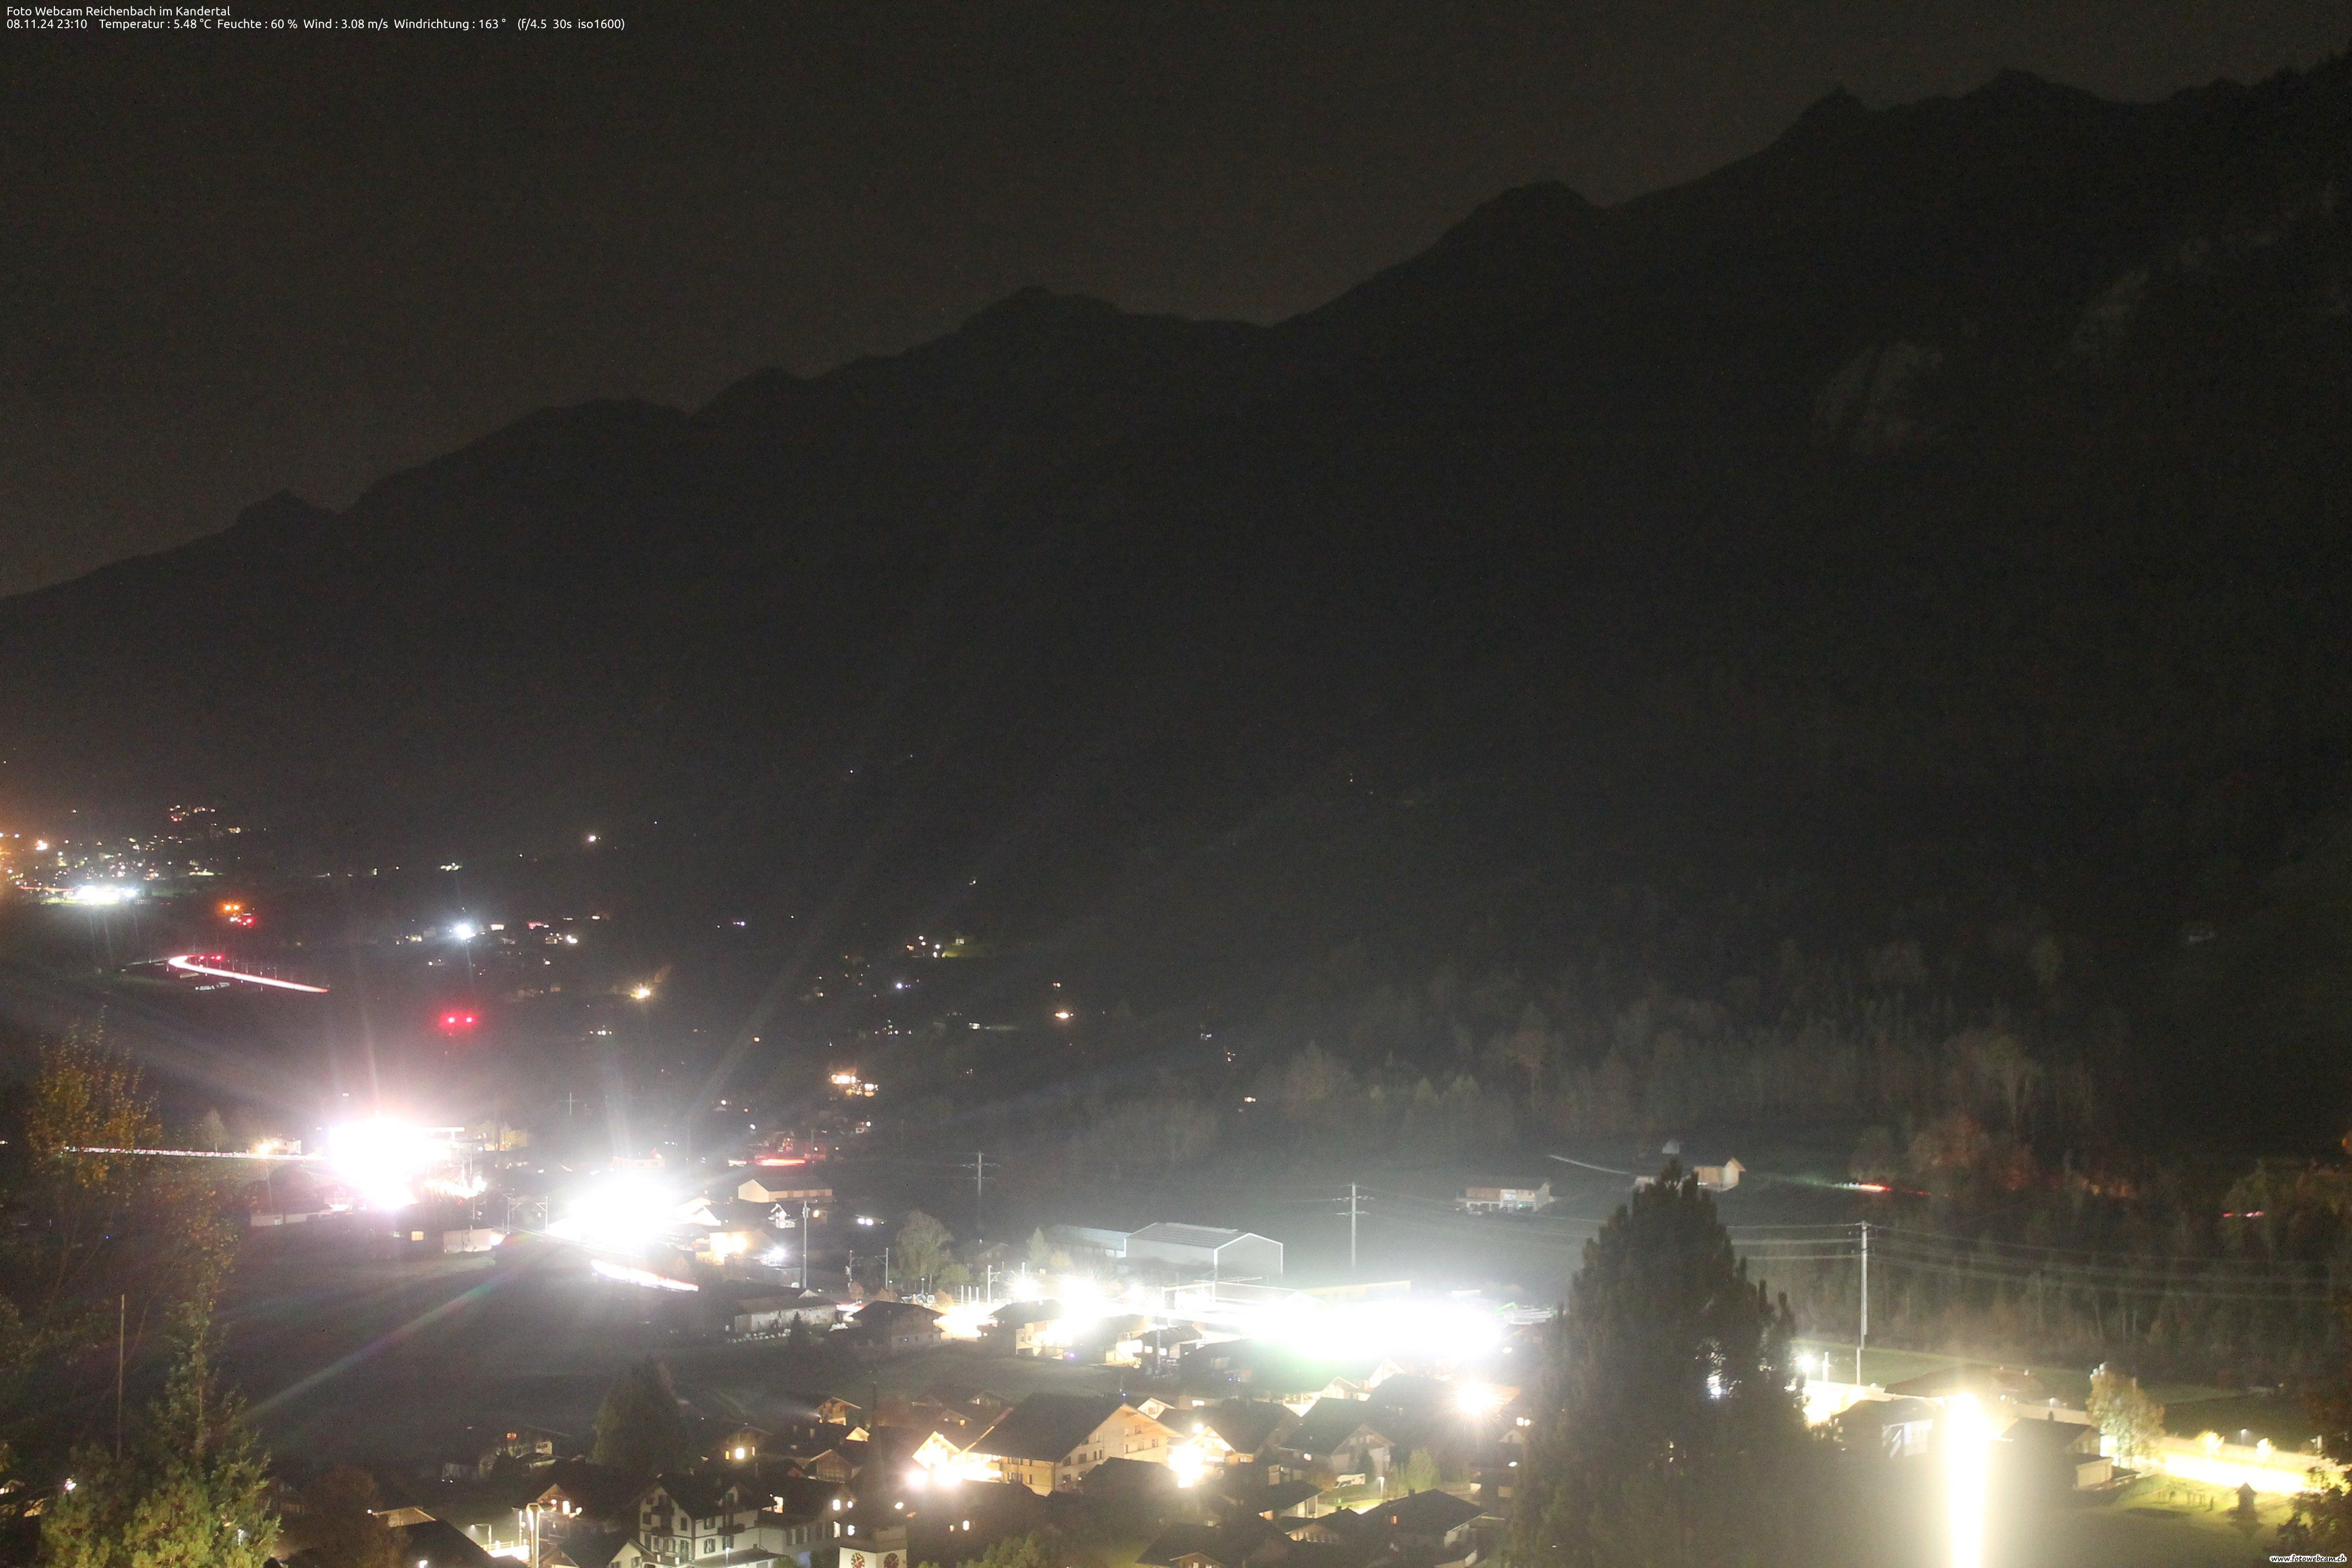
{"type": "Point", "coordinates": [238, 263]}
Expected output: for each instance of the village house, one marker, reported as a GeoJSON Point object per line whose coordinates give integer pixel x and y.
{"type": "Point", "coordinates": [1050, 1440]}
{"type": "Point", "coordinates": [827, 1409]}
{"type": "Point", "coordinates": [774, 1314]}
{"type": "Point", "coordinates": [963, 1414]}
{"type": "Point", "coordinates": [2045, 1454]}
{"type": "Point", "coordinates": [484, 1450]}
{"type": "Point", "coordinates": [694, 1521]}
{"type": "Point", "coordinates": [1336, 1442]}
{"type": "Point", "coordinates": [1236, 1431]}
{"type": "Point", "coordinates": [1506, 1200]}
{"type": "Point", "coordinates": [1244, 1543]}
{"type": "Point", "coordinates": [1432, 1529]}
{"type": "Point", "coordinates": [884, 1329]}
{"type": "Point", "coordinates": [1028, 1327]}
{"type": "Point", "coordinates": [739, 1445]}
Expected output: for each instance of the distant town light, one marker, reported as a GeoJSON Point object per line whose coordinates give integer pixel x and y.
{"type": "Point", "coordinates": [641, 992]}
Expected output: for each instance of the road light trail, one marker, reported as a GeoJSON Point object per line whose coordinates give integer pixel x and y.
{"type": "Point", "coordinates": [186, 963]}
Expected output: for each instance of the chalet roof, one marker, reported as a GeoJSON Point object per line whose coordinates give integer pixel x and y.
{"type": "Point", "coordinates": [1227, 1545]}
{"type": "Point", "coordinates": [586, 1548]}
{"type": "Point", "coordinates": [1273, 1498]}
{"type": "Point", "coordinates": [895, 1311]}
{"type": "Point", "coordinates": [1424, 1513]}
{"type": "Point", "coordinates": [1247, 1425]}
{"type": "Point", "coordinates": [1412, 1390]}
{"type": "Point", "coordinates": [1350, 1553]}
{"type": "Point", "coordinates": [1047, 1425]}
{"type": "Point", "coordinates": [1328, 1424]}
{"type": "Point", "coordinates": [436, 1544]}
{"type": "Point", "coordinates": [1994, 1382]}
{"type": "Point", "coordinates": [1888, 1412]}
{"type": "Point", "coordinates": [1127, 1478]}
{"type": "Point", "coordinates": [2036, 1432]}
{"type": "Point", "coordinates": [1012, 1314]}
{"type": "Point", "coordinates": [704, 1497]}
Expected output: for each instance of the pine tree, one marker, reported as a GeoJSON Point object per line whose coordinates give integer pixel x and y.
{"type": "Point", "coordinates": [341, 1525]}
{"type": "Point", "coordinates": [638, 1428]}
{"type": "Point", "coordinates": [1672, 1430]}
{"type": "Point", "coordinates": [190, 1493]}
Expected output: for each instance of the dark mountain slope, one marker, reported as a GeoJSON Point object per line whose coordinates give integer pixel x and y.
{"type": "Point", "coordinates": [1947, 495]}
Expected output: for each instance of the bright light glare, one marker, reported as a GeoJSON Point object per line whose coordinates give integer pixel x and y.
{"type": "Point", "coordinates": [104, 893]}
{"type": "Point", "coordinates": [640, 993]}
{"type": "Point", "coordinates": [385, 1162]}
{"type": "Point", "coordinates": [1968, 1455]}
{"type": "Point", "coordinates": [627, 1209]}
{"type": "Point", "coordinates": [1477, 1398]}
{"type": "Point", "coordinates": [1187, 1460]}
{"type": "Point", "coordinates": [464, 930]}
{"type": "Point", "coordinates": [2271, 1480]}
{"type": "Point", "coordinates": [1350, 1330]}
{"type": "Point", "coordinates": [627, 1275]}
{"type": "Point", "coordinates": [187, 963]}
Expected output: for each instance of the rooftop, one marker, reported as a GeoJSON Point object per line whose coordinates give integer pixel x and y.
{"type": "Point", "coordinates": [1047, 1425]}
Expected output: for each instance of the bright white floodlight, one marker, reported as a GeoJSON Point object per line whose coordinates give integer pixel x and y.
{"type": "Point", "coordinates": [383, 1161]}
{"type": "Point", "coordinates": [1477, 1398]}
{"type": "Point", "coordinates": [464, 930]}
{"type": "Point", "coordinates": [1967, 1458]}
{"type": "Point", "coordinates": [625, 1210]}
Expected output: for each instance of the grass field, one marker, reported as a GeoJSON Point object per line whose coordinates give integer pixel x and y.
{"type": "Point", "coordinates": [1008, 1376]}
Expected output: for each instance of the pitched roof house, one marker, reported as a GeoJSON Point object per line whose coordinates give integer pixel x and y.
{"type": "Point", "coordinates": [891, 1328]}
{"type": "Point", "coordinates": [1336, 1437]}
{"type": "Point", "coordinates": [1049, 1440]}
{"type": "Point", "coordinates": [694, 1521]}
{"type": "Point", "coordinates": [1431, 1528]}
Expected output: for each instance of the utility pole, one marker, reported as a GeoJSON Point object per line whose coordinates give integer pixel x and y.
{"type": "Point", "coordinates": [121, 1322]}
{"type": "Point", "coordinates": [1863, 1337]}
{"type": "Point", "coordinates": [1351, 1227]}
{"type": "Point", "coordinates": [804, 1244]}
{"type": "Point", "coordinates": [980, 1194]}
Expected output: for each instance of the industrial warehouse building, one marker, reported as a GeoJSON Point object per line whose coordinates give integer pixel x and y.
{"type": "Point", "coordinates": [1225, 1254]}
{"type": "Point", "coordinates": [1213, 1251]}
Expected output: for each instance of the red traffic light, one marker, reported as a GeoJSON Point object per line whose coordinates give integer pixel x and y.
{"type": "Point", "coordinates": [459, 1020]}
